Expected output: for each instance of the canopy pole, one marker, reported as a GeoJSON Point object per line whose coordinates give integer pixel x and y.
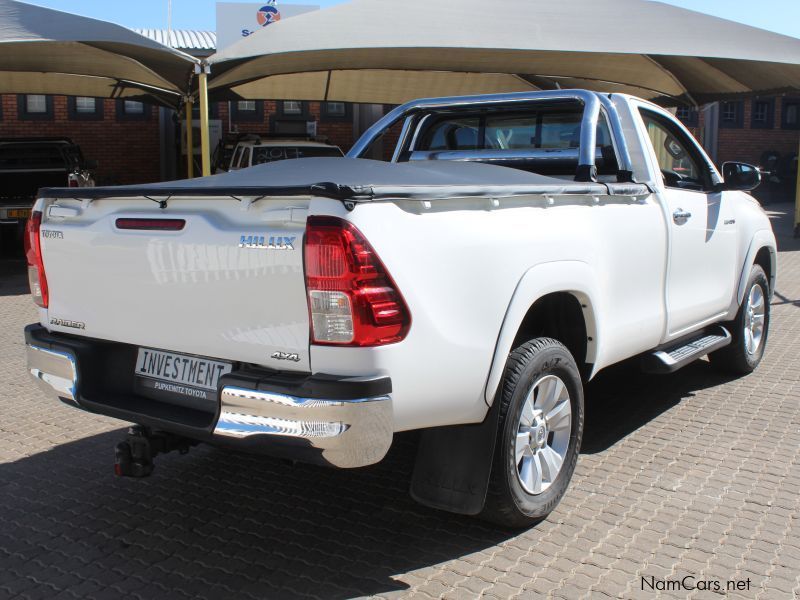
{"type": "Point", "coordinates": [187, 110]}
{"type": "Point", "coordinates": [797, 201]}
{"type": "Point", "coordinates": [205, 145]}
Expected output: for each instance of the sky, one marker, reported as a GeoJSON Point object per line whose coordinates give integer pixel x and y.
{"type": "Point", "coordinates": [782, 16]}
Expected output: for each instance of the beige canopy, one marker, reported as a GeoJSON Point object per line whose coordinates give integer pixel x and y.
{"type": "Point", "coordinates": [385, 51]}
{"type": "Point", "coordinates": [52, 52]}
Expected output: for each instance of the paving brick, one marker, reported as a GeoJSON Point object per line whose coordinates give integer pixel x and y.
{"type": "Point", "coordinates": [689, 473]}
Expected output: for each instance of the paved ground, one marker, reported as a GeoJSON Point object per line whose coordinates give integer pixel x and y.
{"type": "Point", "coordinates": [684, 475]}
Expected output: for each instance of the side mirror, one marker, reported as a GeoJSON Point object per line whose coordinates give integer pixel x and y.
{"type": "Point", "coordinates": [740, 176]}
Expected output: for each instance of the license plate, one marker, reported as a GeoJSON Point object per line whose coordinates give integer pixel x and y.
{"type": "Point", "coordinates": [19, 213]}
{"type": "Point", "coordinates": [180, 373]}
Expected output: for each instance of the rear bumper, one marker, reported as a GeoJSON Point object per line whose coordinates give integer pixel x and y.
{"type": "Point", "coordinates": [340, 421]}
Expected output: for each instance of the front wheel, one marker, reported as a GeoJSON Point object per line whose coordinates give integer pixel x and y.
{"type": "Point", "coordinates": [539, 434]}
{"type": "Point", "coordinates": [749, 328]}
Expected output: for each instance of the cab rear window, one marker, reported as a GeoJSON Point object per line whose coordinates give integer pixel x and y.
{"type": "Point", "coordinates": [532, 130]}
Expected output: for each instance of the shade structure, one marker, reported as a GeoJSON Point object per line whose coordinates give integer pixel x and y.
{"type": "Point", "coordinates": [52, 52]}
{"type": "Point", "coordinates": [384, 51]}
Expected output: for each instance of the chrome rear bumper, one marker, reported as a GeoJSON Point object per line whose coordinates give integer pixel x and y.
{"type": "Point", "coordinates": [53, 371]}
{"type": "Point", "coordinates": [349, 433]}
{"type": "Point", "coordinates": [346, 433]}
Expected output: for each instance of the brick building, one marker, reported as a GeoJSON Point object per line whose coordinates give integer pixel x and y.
{"type": "Point", "coordinates": [122, 136]}
{"type": "Point", "coordinates": [126, 137]}
{"type": "Point", "coordinates": [761, 130]}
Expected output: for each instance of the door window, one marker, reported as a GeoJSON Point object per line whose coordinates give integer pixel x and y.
{"type": "Point", "coordinates": [245, 162]}
{"type": "Point", "coordinates": [678, 157]}
{"type": "Point", "coordinates": [235, 160]}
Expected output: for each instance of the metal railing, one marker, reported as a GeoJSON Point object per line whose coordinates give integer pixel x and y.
{"type": "Point", "coordinates": [592, 102]}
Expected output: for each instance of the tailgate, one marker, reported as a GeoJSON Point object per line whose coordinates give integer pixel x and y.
{"type": "Point", "coordinates": [228, 285]}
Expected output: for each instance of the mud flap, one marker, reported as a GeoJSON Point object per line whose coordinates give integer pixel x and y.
{"type": "Point", "coordinates": [454, 464]}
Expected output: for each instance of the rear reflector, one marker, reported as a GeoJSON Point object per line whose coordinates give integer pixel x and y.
{"type": "Point", "coordinates": [151, 224]}
{"type": "Point", "coordinates": [33, 254]}
{"type": "Point", "coordinates": [352, 299]}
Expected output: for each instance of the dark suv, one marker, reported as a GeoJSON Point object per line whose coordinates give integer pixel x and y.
{"type": "Point", "coordinates": [27, 164]}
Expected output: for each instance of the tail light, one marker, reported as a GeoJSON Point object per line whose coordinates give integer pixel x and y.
{"type": "Point", "coordinates": [33, 252]}
{"type": "Point", "coordinates": [151, 224]}
{"type": "Point", "coordinates": [352, 299]}
{"type": "Point", "coordinates": [72, 180]}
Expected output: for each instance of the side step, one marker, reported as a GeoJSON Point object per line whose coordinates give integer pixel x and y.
{"type": "Point", "coordinates": [679, 354]}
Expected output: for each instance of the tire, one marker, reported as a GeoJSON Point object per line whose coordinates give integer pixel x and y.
{"type": "Point", "coordinates": [513, 498]}
{"type": "Point", "coordinates": [744, 354]}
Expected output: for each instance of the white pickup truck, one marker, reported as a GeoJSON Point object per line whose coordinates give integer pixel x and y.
{"type": "Point", "coordinates": [514, 246]}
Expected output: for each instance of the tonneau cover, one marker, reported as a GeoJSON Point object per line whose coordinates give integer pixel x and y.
{"type": "Point", "coordinates": [358, 180]}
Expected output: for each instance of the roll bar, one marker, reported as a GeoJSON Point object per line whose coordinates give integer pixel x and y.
{"type": "Point", "coordinates": [592, 104]}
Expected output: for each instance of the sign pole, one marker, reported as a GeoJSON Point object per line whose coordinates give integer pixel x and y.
{"type": "Point", "coordinates": [187, 108]}
{"type": "Point", "coordinates": [205, 146]}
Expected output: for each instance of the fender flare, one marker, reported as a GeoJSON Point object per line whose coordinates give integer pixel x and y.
{"type": "Point", "coordinates": [763, 238]}
{"type": "Point", "coordinates": [573, 277]}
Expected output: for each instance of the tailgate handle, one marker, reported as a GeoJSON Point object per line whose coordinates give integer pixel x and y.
{"type": "Point", "coordinates": [63, 212]}
{"type": "Point", "coordinates": [285, 215]}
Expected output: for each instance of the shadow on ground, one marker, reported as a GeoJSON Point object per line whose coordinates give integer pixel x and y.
{"type": "Point", "coordinates": [254, 525]}
{"type": "Point", "coordinates": [622, 399]}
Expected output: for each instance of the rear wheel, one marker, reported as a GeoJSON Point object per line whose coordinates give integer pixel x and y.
{"type": "Point", "coordinates": [749, 329]}
{"type": "Point", "coordinates": [539, 434]}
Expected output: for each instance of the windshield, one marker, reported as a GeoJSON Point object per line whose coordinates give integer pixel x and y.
{"type": "Point", "coordinates": [38, 156]}
{"type": "Point", "coordinates": [265, 154]}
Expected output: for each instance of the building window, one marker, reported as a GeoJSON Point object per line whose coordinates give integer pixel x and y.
{"type": "Point", "coordinates": [688, 115]}
{"type": "Point", "coordinates": [133, 110]}
{"type": "Point", "coordinates": [247, 110]}
{"type": "Point", "coordinates": [763, 113]}
{"type": "Point", "coordinates": [791, 113]}
{"type": "Point", "coordinates": [35, 107]}
{"type": "Point", "coordinates": [293, 109]}
{"type": "Point", "coordinates": [36, 104]}
{"type": "Point", "coordinates": [132, 107]}
{"type": "Point", "coordinates": [291, 118]}
{"type": "Point", "coordinates": [336, 111]}
{"type": "Point", "coordinates": [84, 105]}
{"type": "Point", "coordinates": [84, 108]}
{"type": "Point", "coordinates": [731, 114]}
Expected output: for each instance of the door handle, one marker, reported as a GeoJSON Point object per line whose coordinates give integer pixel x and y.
{"type": "Point", "coordinates": [63, 212]}
{"type": "Point", "coordinates": [680, 216]}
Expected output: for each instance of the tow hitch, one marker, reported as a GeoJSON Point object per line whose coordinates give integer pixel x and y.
{"type": "Point", "coordinates": [134, 455]}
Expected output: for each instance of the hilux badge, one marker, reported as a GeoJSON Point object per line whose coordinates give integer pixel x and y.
{"type": "Point", "coordinates": [267, 243]}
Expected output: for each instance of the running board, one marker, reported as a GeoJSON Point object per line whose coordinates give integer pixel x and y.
{"type": "Point", "coordinates": [673, 357]}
